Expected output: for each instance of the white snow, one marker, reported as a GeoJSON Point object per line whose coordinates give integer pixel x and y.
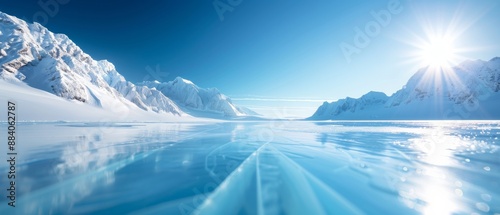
{"type": "Point", "coordinates": [53, 63]}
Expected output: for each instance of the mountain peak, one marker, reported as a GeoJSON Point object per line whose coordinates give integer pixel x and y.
{"type": "Point", "coordinates": [372, 94]}
{"type": "Point", "coordinates": [7, 17]}
{"type": "Point", "coordinates": [179, 79]}
{"type": "Point", "coordinates": [197, 100]}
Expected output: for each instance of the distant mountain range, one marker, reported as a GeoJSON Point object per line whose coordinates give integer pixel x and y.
{"type": "Point", "coordinates": [198, 101]}
{"type": "Point", "coordinates": [470, 90]}
{"type": "Point", "coordinates": [30, 54]}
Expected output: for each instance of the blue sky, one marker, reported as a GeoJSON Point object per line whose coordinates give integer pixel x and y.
{"type": "Point", "coordinates": [281, 58]}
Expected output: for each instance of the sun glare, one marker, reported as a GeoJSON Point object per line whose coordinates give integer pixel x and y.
{"type": "Point", "coordinates": [439, 52]}
{"type": "Point", "coordinates": [438, 42]}
{"type": "Point", "coordinates": [439, 49]}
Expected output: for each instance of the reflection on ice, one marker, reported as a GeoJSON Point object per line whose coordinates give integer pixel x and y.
{"type": "Point", "coordinates": [437, 187]}
{"type": "Point", "coordinates": [282, 167]}
{"type": "Point", "coordinates": [86, 162]}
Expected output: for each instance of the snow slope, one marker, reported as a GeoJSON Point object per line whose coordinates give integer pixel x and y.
{"type": "Point", "coordinates": [467, 91]}
{"type": "Point", "coordinates": [31, 54]}
{"type": "Point", "coordinates": [38, 105]}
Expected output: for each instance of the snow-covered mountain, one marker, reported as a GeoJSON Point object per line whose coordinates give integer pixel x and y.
{"type": "Point", "coordinates": [30, 54]}
{"type": "Point", "coordinates": [195, 99]}
{"type": "Point", "coordinates": [470, 90]}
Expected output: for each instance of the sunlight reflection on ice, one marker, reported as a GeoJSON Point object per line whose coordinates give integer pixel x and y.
{"type": "Point", "coordinates": [438, 150]}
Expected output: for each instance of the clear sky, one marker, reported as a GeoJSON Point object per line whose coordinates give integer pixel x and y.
{"type": "Point", "coordinates": [281, 58]}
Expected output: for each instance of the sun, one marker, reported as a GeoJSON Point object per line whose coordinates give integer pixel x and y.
{"type": "Point", "coordinates": [438, 46]}
{"type": "Point", "coordinates": [438, 52]}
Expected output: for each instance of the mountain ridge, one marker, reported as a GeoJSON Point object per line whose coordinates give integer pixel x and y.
{"type": "Point", "coordinates": [196, 98]}
{"type": "Point", "coordinates": [470, 90]}
{"type": "Point", "coordinates": [31, 54]}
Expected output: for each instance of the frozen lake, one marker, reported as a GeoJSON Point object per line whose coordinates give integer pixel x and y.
{"type": "Point", "coordinates": [281, 167]}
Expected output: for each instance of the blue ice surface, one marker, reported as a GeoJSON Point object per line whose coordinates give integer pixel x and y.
{"type": "Point", "coordinates": [275, 167]}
